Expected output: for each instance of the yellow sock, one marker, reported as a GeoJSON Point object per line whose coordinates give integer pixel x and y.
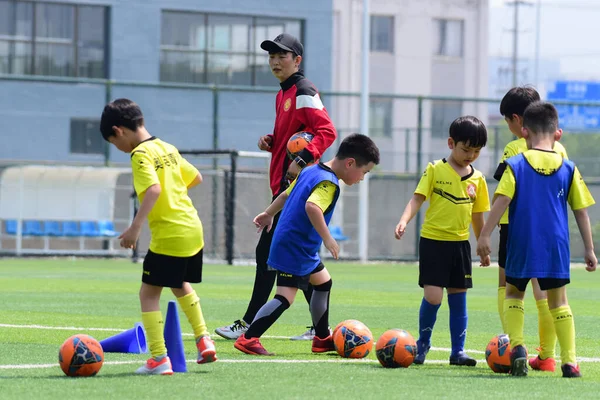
{"type": "Point", "coordinates": [154, 326]}
{"type": "Point", "coordinates": [501, 295]}
{"type": "Point", "coordinates": [514, 317]}
{"type": "Point", "coordinates": [546, 329]}
{"type": "Point", "coordinates": [565, 331]}
{"type": "Point", "coordinates": [190, 304]}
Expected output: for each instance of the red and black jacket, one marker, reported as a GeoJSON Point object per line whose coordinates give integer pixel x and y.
{"type": "Point", "coordinates": [298, 107]}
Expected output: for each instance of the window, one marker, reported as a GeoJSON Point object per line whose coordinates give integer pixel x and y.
{"type": "Point", "coordinates": [380, 117]}
{"type": "Point", "coordinates": [53, 39]}
{"type": "Point", "coordinates": [85, 138]}
{"type": "Point", "coordinates": [442, 114]}
{"type": "Point", "coordinates": [382, 33]}
{"type": "Point", "coordinates": [221, 49]}
{"type": "Point", "coordinates": [448, 37]}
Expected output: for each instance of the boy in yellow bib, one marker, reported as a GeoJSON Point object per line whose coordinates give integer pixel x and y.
{"type": "Point", "coordinates": [161, 177]}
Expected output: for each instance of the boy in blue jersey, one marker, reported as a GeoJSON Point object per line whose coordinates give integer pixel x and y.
{"type": "Point", "coordinates": [306, 209]}
{"type": "Point", "coordinates": [536, 187]}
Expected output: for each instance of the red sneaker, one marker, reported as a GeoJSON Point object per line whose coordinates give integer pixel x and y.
{"type": "Point", "coordinates": [251, 346]}
{"type": "Point", "coordinates": [545, 364]}
{"type": "Point", "coordinates": [153, 367]}
{"type": "Point", "coordinates": [206, 350]}
{"type": "Point", "coordinates": [322, 345]}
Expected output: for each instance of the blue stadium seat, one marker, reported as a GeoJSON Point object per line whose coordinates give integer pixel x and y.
{"type": "Point", "coordinates": [71, 228]}
{"type": "Point", "coordinates": [107, 228]}
{"type": "Point", "coordinates": [11, 227]}
{"type": "Point", "coordinates": [32, 228]}
{"type": "Point", "coordinates": [52, 228]}
{"type": "Point", "coordinates": [336, 233]}
{"type": "Point", "coordinates": [89, 228]}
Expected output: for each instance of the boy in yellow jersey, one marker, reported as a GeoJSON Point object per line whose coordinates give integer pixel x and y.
{"type": "Point", "coordinates": [512, 107]}
{"type": "Point", "coordinates": [458, 197]}
{"type": "Point", "coordinates": [537, 186]}
{"type": "Point", "coordinates": [161, 177]}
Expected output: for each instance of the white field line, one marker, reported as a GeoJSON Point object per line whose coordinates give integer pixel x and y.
{"type": "Point", "coordinates": [72, 328]}
{"type": "Point", "coordinates": [265, 360]}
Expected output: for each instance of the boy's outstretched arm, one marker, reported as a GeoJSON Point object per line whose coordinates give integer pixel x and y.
{"type": "Point", "coordinates": [130, 236]}
{"type": "Point", "coordinates": [265, 218]}
{"type": "Point", "coordinates": [477, 221]}
{"type": "Point", "coordinates": [410, 211]}
{"type": "Point", "coordinates": [585, 229]}
{"type": "Point", "coordinates": [315, 215]}
{"type": "Point", "coordinates": [484, 246]}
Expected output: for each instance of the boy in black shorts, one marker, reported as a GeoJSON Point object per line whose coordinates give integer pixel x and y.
{"type": "Point", "coordinates": [161, 177]}
{"type": "Point", "coordinates": [458, 197]}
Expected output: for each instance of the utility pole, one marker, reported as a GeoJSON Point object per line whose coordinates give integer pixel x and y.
{"type": "Point", "coordinates": [515, 53]}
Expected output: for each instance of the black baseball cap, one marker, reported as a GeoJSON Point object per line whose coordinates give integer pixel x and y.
{"type": "Point", "coordinates": [285, 42]}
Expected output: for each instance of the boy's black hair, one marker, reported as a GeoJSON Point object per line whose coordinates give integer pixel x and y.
{"type": "Point", "coordinates": [121, 112]}
{"type": "Point", "coordinates": [469, 130]}
{"type": "Point", "coordinates": [359, 147]}
{"type": "Point", "coordinates": [517, 99]}
{"type": "Point", "coordinates": [540, 117]}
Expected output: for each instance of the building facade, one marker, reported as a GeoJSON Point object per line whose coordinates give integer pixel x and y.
{"type": "Point", "coordinates": [418, 47]}
{"type": "Point", "coordinates": [152, 42]}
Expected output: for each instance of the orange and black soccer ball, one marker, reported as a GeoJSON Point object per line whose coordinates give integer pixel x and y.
{"type": "Point", "coordinates": [81, 355]}
{"type": "Point", "coordinates": [297, 143]}
{"type": "Point", "coordinates": [497, 354]}
{"type": "Point", "coordinates": [396, 348]}
{"type": "Point", "coordinates": [353, 339]}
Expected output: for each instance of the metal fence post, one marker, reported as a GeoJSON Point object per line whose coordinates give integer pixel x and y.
{"type": "Point", "coordinates": [230, 228]}
{"type": "Point", "coordinates": [215, 182]}
{"type": "Point", "coordinates": [418, 169]}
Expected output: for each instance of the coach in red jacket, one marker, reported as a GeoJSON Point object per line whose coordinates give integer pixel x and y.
{"type": "Point", "coordinates": [298, 107]}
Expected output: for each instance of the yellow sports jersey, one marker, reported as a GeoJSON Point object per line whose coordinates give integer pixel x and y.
{"type": "Point", "coordinates": [323, 195]}
{"type": "Point", "coordinates": [517, 147]}
{"type": "Point", "coordinates": [452, 201]}
{"type": "Point", "coordinates": [546, 163]}
{"type": "Point", "coordinates": [175, 227]}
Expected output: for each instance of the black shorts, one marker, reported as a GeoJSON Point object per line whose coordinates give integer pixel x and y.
{"type": "Point", "coordinates": [445, 264]}
{"type": "Point", "coordinates": [545, 283]}
{"type": "Point", "coordinates": [171, 271]}
{"type": "Point", "coordinates": [300, 282]}
{"type": "Point", "coordinates": [503, 245]}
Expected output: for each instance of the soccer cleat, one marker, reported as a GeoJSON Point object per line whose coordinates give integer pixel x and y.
{"type": "Point", "coordinates": [422, 351]}
{"type": "Point", "coordinates": [542, 364]}
{"type": "Point", "coordinates": [461, 358]}
{"type": "Point", "coordinates": [153, 367]}
{"type": "Point", "coordinates": [308, 335]}
{"type": "Point", "coordinates": [518, 361]}
{"type": "Point", "coordinates": [322, 345]}
{"type": "Point", "coordinates": [233, 331]}
{"type": "Point", "coordinates": [251, 346]}
{"type": "Point", "coordinates": [206, 350]}
{"type": "Point", "coordinates": [570, 371]}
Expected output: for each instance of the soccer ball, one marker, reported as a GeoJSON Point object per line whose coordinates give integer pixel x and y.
{"type": "Point", "coordinates": [338, 326]}
{"type": "Point", "coordinates": [353, 340]}
{"type": "Point", "coordinates": [497, 354]}
{"type": "Point", "coordinates": [396, 348]}
{"type": "Point", "coordinates": [297, 143]}
{"type": "Point", "coordinates": [80, 355]}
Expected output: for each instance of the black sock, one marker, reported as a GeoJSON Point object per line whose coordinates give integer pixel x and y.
{"type": "Point", "coordinates": [319, 309]}
{"type": "Point", "coordinates": [308, 293]}
{"type": "Point", "coordinates": [266, 316]}
{"type": "Point", "coordinates": [263, 285]}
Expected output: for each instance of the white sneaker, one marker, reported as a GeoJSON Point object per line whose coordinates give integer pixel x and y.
{"type": "Point", "coordinates": [153, 367]}
{"type": "Point", "coordinates": [308, 335]}
{"type": "Point", "coordinates": [233, 331]}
